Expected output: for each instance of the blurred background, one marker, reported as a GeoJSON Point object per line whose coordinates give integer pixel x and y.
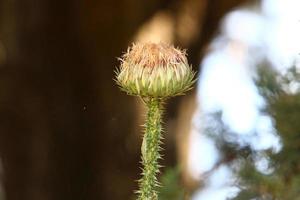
{"type": "Point", "coordinates": [68, 133]}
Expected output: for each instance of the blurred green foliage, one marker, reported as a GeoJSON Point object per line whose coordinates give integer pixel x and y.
{"type": "Point", "coordinates": [284, 105]}
{"type": "Point", "coordinates": [171, 187]}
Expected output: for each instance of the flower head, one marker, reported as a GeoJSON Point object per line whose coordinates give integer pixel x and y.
{"type": "Point", "coordinates": [154, 70]}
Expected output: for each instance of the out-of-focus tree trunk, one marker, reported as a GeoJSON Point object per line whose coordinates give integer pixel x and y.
{"type": "Point", "coordinates": [64, 125]}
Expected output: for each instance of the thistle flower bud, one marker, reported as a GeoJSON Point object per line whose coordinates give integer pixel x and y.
{"type": "Point", "coordinates": [154, 70]}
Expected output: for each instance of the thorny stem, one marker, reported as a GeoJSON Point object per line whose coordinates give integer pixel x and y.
{"type": "Point", "coordinates": [150, 150]}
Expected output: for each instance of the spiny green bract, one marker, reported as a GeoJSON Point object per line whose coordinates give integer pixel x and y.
{"type": "Point", "coordinates": [154, 70]}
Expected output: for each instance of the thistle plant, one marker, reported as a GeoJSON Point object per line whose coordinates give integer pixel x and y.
{"type": "Point", "coordinates": [154, 72]}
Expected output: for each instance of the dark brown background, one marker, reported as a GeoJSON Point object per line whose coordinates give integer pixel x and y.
{"type": "Point", "coordinates": [65, 128]}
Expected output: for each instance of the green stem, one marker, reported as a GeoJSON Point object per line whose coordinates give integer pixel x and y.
{"type": "Point", "coordinates": [150, 150]}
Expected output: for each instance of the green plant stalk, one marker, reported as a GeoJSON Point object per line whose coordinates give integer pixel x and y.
{"type": "Point", "coordinates": [150, 150]}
